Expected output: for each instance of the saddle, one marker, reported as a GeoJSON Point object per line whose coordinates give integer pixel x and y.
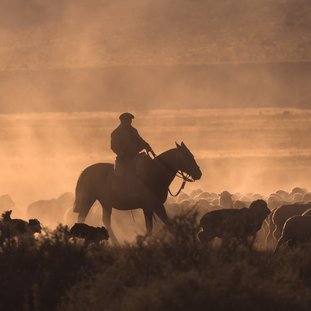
{"type": "Point", "coordinates": [130, 174]}
{"type": "Point", "coordinates": [132, 167]}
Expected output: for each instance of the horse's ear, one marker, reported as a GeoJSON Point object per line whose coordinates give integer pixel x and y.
{"type": "Point", "coordinates": [177, 145]}
{"type": "Point", "coordinates": [184, 146]}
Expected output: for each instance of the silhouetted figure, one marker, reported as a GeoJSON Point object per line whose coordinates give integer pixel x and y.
{"type": "Point", "coordinates": [126, 143]}
{"type": "Point", "coordinates": [94, 184]}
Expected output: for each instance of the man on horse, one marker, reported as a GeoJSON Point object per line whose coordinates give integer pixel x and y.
{"type": "Point", "coordinates": [126, 143]}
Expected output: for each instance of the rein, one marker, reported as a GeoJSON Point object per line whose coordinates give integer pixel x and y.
{"type": "Point", "coordinates": [179, 191]}
{"type": "Point", "coordinates": [185, 178]}
{"type": "Point", "coordinates": [179, 174]}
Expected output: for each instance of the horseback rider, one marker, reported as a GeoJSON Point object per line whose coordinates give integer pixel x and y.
{"type": "Point", "coordinates": [126, 143]}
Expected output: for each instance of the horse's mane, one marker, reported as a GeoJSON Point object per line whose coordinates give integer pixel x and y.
{"type": "Point", "coordinates": [162, 156]}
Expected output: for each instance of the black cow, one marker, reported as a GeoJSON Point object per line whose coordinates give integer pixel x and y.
{"type": "Point", "coordinates": [88, 233]}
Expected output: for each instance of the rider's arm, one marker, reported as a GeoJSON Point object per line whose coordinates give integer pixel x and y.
{"type": "Point", "coordinates": [141, 142]}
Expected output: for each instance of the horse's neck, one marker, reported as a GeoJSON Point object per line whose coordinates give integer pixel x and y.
{"type": "Point", "coordinates": [168, 166]}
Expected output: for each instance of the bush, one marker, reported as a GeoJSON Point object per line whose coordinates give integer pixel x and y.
{"type": "Point", "coordinates": [35, 274]}
{"type": "Point", "coordinates": [170, 270]}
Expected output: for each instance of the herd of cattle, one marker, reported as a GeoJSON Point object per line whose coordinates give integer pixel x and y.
{"type": "Point", "coordinates": [280, 218]}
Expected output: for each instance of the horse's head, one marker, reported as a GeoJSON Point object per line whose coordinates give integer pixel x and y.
{"type": "Point", "coordinates": [187, 163]}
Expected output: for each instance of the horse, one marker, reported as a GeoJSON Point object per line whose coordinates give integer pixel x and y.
{"type": "Point", "coordinates": [96, 183]}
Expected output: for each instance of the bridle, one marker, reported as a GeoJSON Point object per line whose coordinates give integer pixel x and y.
{"type": "Point", "coordinates": [185, 177]}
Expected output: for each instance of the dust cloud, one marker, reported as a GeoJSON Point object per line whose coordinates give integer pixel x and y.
{"type": "Point", "coordinates": [239, 150]}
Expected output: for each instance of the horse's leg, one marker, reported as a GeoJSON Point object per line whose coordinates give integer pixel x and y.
{"type": "Point", "coordinates": [107, 210]}
{"type": "Point", "coordinates": [87, 204]}
{"type": "Point", "coordinates": [161, 213]}
{"type": "Point", "coordinates": [148, 220]}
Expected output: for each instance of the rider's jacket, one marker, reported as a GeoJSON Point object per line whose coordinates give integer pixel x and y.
{"type": "Point", "coordinates": [126, 142]}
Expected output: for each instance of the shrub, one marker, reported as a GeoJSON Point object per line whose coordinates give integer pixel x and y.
{"type": "Point", "coordinates": [173, 271]}
{"type": "Point", "coordinates": [170, 270]}
{"type": "Point", "coordinates": [35, 274]}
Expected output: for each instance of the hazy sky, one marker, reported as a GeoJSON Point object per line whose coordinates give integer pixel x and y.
{"type": "Point", "coordinates": [42, 34]}
{"type": "Point", "coordinates": [101, 54]}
